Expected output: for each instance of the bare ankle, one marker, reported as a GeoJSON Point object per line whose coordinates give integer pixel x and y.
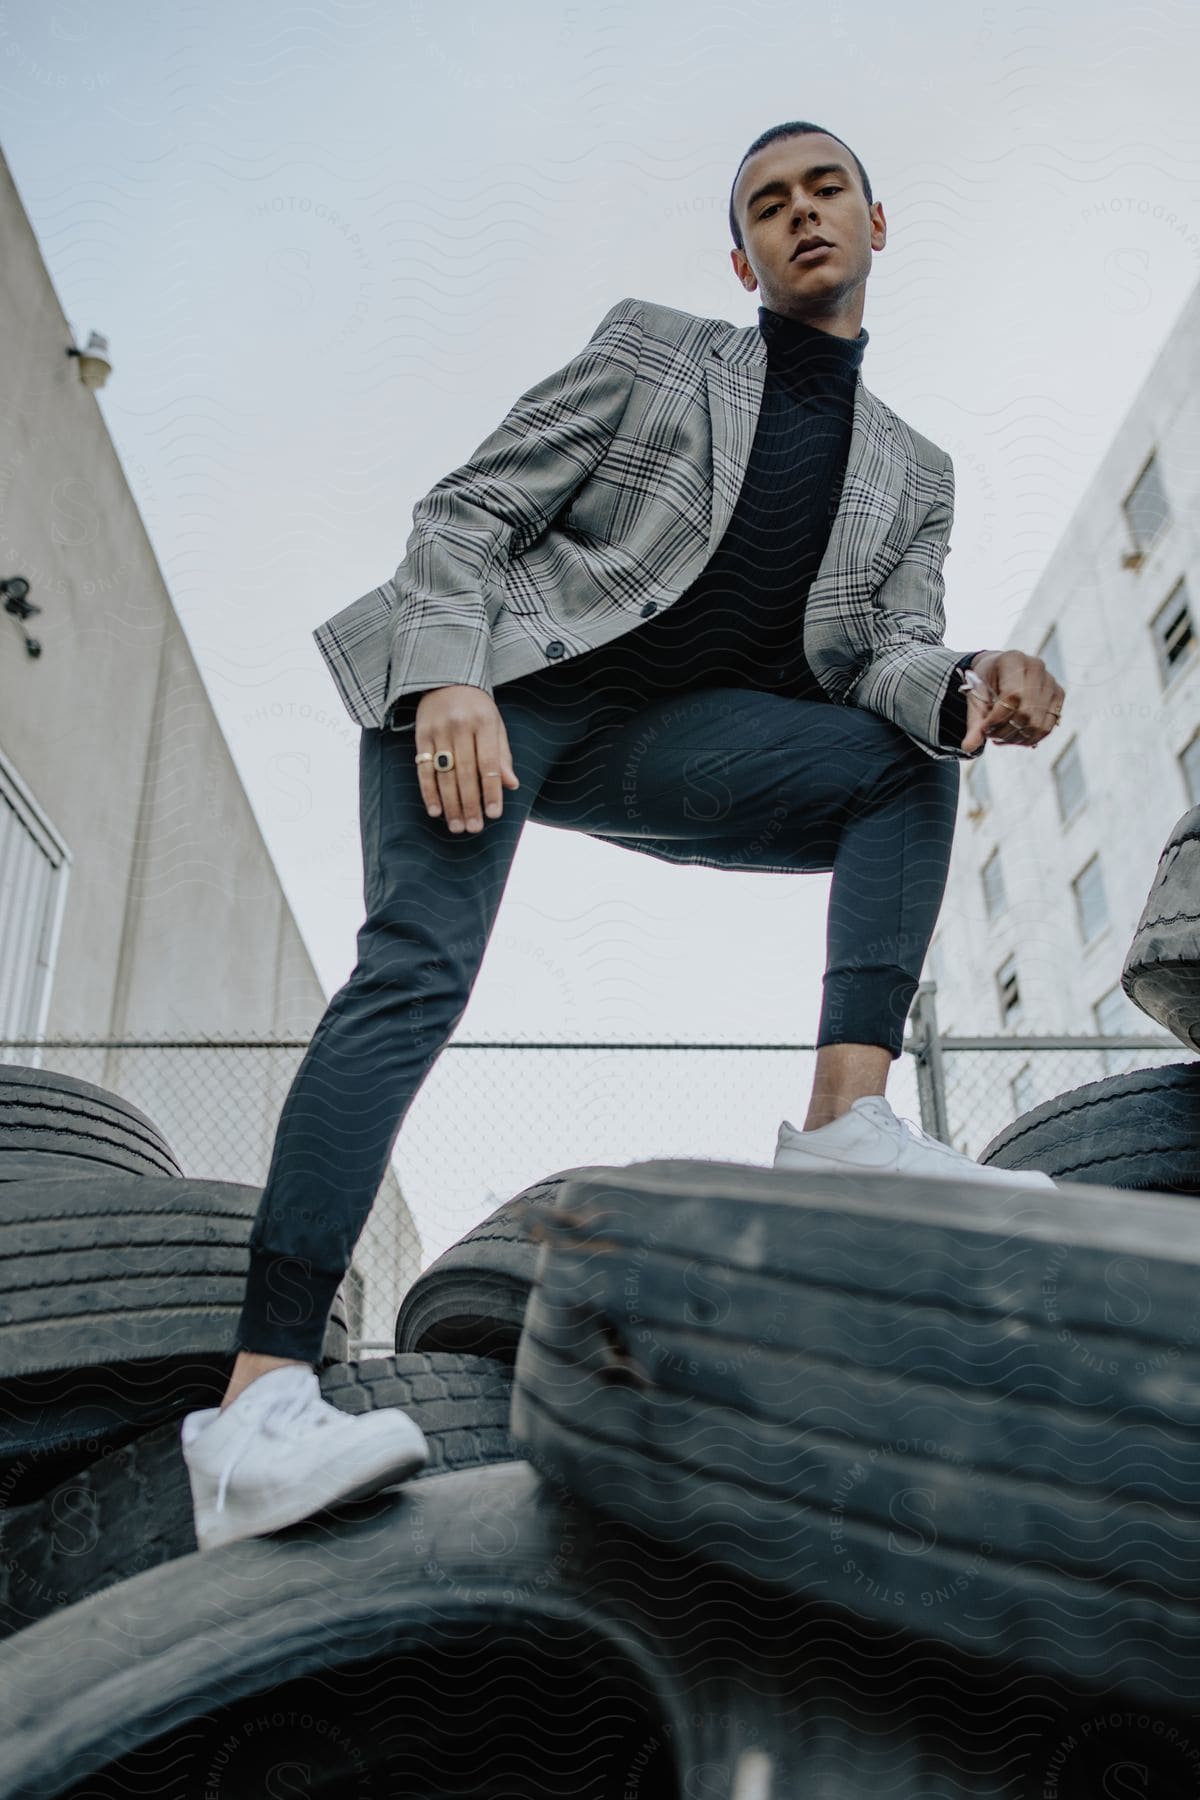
{"type": "Point", "coordinates": [249, 1365]}
{"type": "Point", "coordinates": [845, 1073]}
{"type": "Point", "coordinates": [825, 1111]}
{"type": "Point", "coordinates": [824, 1115]}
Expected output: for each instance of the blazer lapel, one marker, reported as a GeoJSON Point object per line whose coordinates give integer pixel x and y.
{"type": "Point", "coordinates": [874, 478]}
{"type": "Point", "coordinates": [735, 375]}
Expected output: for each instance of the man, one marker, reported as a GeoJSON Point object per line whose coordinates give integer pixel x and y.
{"type": "Point", "coordinates": [687, 597]}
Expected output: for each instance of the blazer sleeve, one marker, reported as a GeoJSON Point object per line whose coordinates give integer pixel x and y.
{"type": "Point", "coordinates": [499, 501]}
{"type": "Point", "coordinates": [909, 674]}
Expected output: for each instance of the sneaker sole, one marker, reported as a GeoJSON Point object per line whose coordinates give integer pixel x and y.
{"type": "Point", "coordinates": [257, 1521]}
{"type": "Point", "coordinates": [814, 1165]}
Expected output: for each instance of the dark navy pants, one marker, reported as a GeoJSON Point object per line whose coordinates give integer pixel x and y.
{"type": "Point", "coordinates": [721, 777]}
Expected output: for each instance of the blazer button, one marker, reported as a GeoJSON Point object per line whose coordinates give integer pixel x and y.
{"type": "Point", "coordinates": [555, 648]}
{"type": "Point", "coordinates": [651, 606]}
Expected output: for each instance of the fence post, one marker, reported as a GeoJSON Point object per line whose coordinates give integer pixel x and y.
{"type": "Point", "coordinates": [931, 1075]}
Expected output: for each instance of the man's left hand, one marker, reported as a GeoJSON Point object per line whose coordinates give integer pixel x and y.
{"type": "Point", "coordinates": [1028, 700]}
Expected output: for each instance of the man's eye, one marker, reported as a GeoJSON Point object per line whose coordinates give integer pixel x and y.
{"type": "Point", "coordinates": [770, 209]}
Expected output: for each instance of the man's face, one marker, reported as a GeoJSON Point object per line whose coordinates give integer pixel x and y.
{"type": "Point", "coordinates": [800, 203]}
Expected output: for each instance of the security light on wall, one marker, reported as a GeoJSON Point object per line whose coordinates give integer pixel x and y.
{"type": "Point", "coordinates": [94, 366]}
{"type": "Point", "coordinates": [15, 590]}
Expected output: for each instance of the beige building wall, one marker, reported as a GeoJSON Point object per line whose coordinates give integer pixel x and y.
{"type": "Point", "coordinates": [169, 919]}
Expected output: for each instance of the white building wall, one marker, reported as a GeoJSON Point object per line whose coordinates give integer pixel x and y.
{"type": "Point", "coordinates": [174, 922]}
{"type": "Point", "coordinates": [1131, 726]}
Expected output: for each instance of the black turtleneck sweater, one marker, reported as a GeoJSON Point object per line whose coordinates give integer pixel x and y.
{"type": "Point", "coordinates": [741, 622]}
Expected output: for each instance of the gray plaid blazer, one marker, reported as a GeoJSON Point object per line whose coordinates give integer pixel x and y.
{"type": "Point", "coordinates": [601, 496]}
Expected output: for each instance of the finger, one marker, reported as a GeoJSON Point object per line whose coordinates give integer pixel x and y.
{"type": "Point", "coordinates": [1003, 710]}
{"type": "Point", "coordinates": [447, 780]}
{"type": "Point", "coordinates": [467, 769]}
{"type": "Point", "coordinates": [509, 774]}
{"type": "Point", "coordinates": [1027, 735]}
{"type": "Point", "coordinates": [1003, 728]}
{"type": "Point", "coordinates": [487, 744]}
{"type": "Point", "coordinates": [977, 708]}
{"type": "Point", "coordinates": [1035, 723]}
{"type": "Point", "coordinates": [427, 781]}
{"type": "Point", "coordinates": [1011, 728]}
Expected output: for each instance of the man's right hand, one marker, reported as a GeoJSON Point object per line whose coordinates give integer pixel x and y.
{"type": "Point", "coordinates": [1026, 705]}
{"type": "Point", "coordinates": [466, 721]}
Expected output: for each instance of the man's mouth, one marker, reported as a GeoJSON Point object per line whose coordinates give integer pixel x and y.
{"type": "Point", "coordinates": [810, 254]}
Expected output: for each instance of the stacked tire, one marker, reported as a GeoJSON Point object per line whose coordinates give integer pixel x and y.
{"type": "Point", "coordinates": [972, 1413]}
{"type": "Point", "coordinates": [474, 1296]}
{"type": "Point", "coordinates": [121, 1280]}
{"type": "Point", "coordinates": [743, 1484]}
{"type": "Point", "coordinates": [131, 1510]}
{"type": "Point", "coordinates": [1161, 974]}
{"type": "Point", "coordinates": [1140, 1130]}
{"type": "Point", "coordinates": [449, 1637]}
{"type": "Point", "coordinates": [134, 1665]}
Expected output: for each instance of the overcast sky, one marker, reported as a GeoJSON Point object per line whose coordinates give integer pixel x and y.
{"type": "Point", "coordinates": [330, 244]}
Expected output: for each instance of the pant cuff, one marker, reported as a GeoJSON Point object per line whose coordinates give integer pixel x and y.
{"type": "Point", "coordinates": [866, 1006]}
{"type": "Point", "coordinates": [286, 1307]}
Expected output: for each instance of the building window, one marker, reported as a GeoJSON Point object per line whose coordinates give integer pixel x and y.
{"type": "Point", "coordinates": [1051, 655]}
{"type": "Point", "coordinates": [1069, 782]}
{"type": "Point", "coordinates": [979, 789]}
{"type": "Point", "coordinates": [993, 885]}
{"type": "Point", "coordinates": [1091, 902]}
{"type": "Point", "coordinates": [1116, 1016]}
{"type": "Point", "coordinates": [1190, 761]}
{"type": "Point", "coordinates": [1024, 1091]}
{"type": "Point", "coordinates": [1010, 993]}
{"type": "Point", "coordinates": [34, 868]}
{"type": "Point", "coordinates": [1174, 638]}
{"type": "Point", "coordinates": [1146, 510]}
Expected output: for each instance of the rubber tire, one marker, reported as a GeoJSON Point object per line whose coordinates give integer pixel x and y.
{"type": "Point", "coordinates": [158, 1682]}
{"type": "Point", "coordinates": [53, 1126]}
{"type": "Point", "coordinates": [120, 1296]}
{"type": "Point", "coordinates": [121, 1267]}
{"type": "Point", "coordinates": [133, 1510]}
{"type": "Point", "coordinates": [1162, 967]}
{"type": "Point", "coordinates": [1137, 1130]}
{"type": "Point", "coordinates": [714, 1352]}
{"type": "Point", "coordinates": [472, 1299]}
{"type": "Point", "coordinates": [157, 1673]}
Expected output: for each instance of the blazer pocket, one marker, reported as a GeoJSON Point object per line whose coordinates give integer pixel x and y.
{"type": "Point", "coordinates": [593, 510]}
{"type": "Point", "coordinates": [898, 538]}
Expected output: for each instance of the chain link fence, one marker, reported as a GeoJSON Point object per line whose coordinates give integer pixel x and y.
{"type": "Point", "coordinates": [216, 1102]}
{"type": "Point", "coordinates": [970, 1088]}
{"type": "Point", "coordinates": [491, 1118]}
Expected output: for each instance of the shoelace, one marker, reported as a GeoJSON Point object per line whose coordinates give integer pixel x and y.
{"type": "Point", "coordinates": [275, 1420]}
{"type": "Point", "coordinates": [921, 1135]}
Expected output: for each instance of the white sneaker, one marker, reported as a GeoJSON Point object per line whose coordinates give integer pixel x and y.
{"type": "Point", "coordinates": [294, 1454]}
{"type": "Point", "coordinates": [871, 1137]}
